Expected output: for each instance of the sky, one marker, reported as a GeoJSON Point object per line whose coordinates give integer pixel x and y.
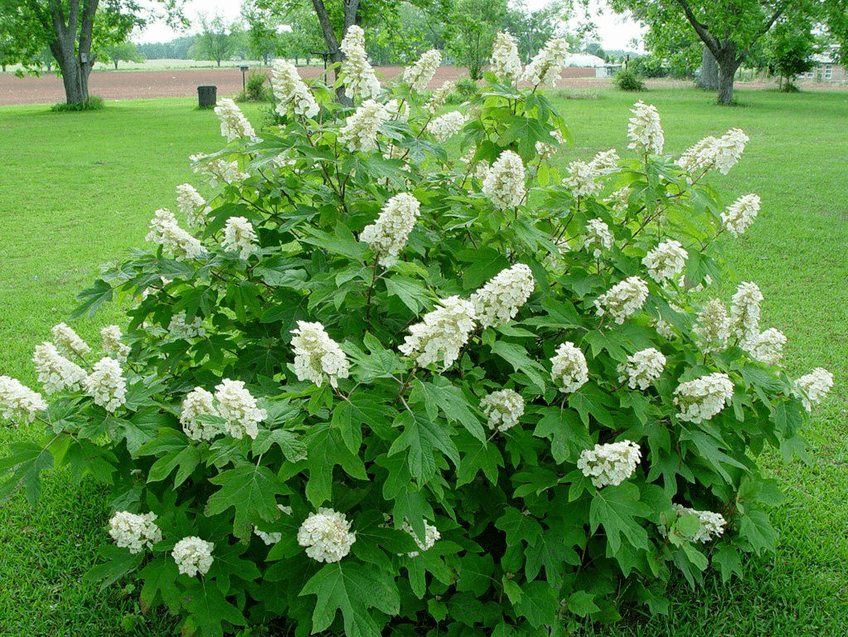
{"type": "Point", "coordinates": [615, 31]}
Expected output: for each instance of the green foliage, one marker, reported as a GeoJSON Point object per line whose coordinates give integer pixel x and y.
{"type": "Point", "coordinates": [94, 103]}
{"type": "Point", "coordinates": [628, 80]}
{"type": "Point", "coordinates": [526, 539]}
{"type": "Point", "coordinates": [464, 89]}
{"type": "Point", "coordinates": [257, 89]}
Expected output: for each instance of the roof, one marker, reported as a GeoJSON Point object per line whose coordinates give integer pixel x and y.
{"type": "Point", "coordinates": [584, 60]}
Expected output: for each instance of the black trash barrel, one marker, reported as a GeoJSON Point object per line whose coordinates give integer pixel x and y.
{"type": "Point", "coordinates": [206, 96]}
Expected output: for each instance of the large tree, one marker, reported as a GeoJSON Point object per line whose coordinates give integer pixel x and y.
{"type": "Point", "coordinates": [74, 31]}
{"type": "Point", "coordinates": [471, 32]}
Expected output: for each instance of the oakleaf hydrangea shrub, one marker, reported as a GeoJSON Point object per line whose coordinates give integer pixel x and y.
{"type": "Point", "coordinates": [391, 375]}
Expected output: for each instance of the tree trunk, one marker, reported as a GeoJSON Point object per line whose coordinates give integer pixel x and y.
{"type": "Point", "coordinates": [72, 45]}
{"type": "Point", "coordinates": [332, 42]}
{"type": "Point", "coordinates": [708, 79]}
{"type": "Point", "coordinates": [727, 66]}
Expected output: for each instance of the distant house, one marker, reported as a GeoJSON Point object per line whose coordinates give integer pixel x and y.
{"type": "Point", "coordinates": [588, 61]}
{"type": "Point", "coordinates": [827, 69]}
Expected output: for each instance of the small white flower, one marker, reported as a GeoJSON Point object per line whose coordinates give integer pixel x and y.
{"type": "Point", "coordinates": [703, 398]}
{"type": "Point", "coordinates": [387, 236]}
{"type": "Point", "coordinates": [318, 358]}
{"type": "Point", "coordinates": [234, 124]}
{"type": "Point", "coordinates": [502, 408]}
{"type": "Point", "coordinates": [238, 408]}
{"type": "Point", "coordinates": [506, 65]}
{"type": "Point", "coordinates": [611, 463]}
{"type": "Point", "coordinates": [198, 402]}
{"type": "Point", "coordinates": [239, 236]}
{"type": "Point", "coordinates": [441, 334]}
{"type": "Point", "coordinates": [193, 556]}
{"type": "Point", "coordinates": [582, 179]}
{"type": "Point", "coordinates": [290, 91]}
{"type": "Point", "coordinates": [499, 300]}
{"type": "Point", "coordinates": [741, 214]}
{"type": "Point", "coordinates": [18, 402]}
{"type": "Point", "coordinates": [431, 536]}
{"type": "Point", "coordinates": [712, 524]}
{"type": "Point", "coordinates": [598, 237]}
{"type": "Point", "coordinates": [192, 205]}
{"type": "Point", "coordinates": [767, 347]}
{"type": "Point", "coordinates": [504, 183]}
{"type": "Point", "coordinates": [813, 387]}
{"type": "Point", "coordinates": [68, 341]}
{"type": "Point", "coordinates": [666, 261]}
{"type": "Point", "coordinates": [360, 130]}
{"type": "Point", "coordinates": [447, 125]}
{"type": "Point", "coordinates": [175, 241]}
{"type": "Point", "coordinates": [106, 384]}
{"type": "Point", "coordinates": [112, 343]}
{"type": "Point", "coordinates": [745, 312]}
{"type": "Point", "coordinates": [623, 299]}
{"type": "Point", "coordinates": [326, 535]}
{"type": "Point", "coordinates": [418, 75]}
{"type": "Point", "coordinates": [644, 129]}
{"type": "Point", "coordinates": [546, 66]}
{"type": "Point", "coordinates": [713, 326]}
{"type": "Point", "coordinates": [357, 74]}
{"type": "Point", "coordinates": [134, 532]}
{"type": "Point", "coordinates": [55, 372]}
{"type": "Point", "coordinates": [438, 98]}
{"type": "Point", "coordinates": [568, 368]}
{"type": "Point", "coordinates": [642, 368]}
{"type": "Point", "coordinates": [179, 329]}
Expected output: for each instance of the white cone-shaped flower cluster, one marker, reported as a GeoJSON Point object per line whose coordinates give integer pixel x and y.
{"type": "Point", "coordinates": [642, 368]}
{"type": "Point", "coordinates": [239, 236]}
{"type": "Point", "coordinates": [568, 368]}
{"type": "Point", "coordinates": [418, 75]}
{"type": "Point", "coordinates": [446, 125]}
{"type": "Point", "coordinates": [218, 170]}
{"type": "Point", "coordinates": [644, 129]}
{"type": "Point", "coordinates": [317, 357]}
{"type": "Point", "coordinates": [238, 408]}
{"type": "Point", "coordinates": [431, 536]}
{"type": "Point", "coordinates": [326, 535]}
{"type": "Point", "coordinates": [112, 343]}
{"type": "Point", "coordinates": [234, 124]}
{"type": "Point", "coordinates": [106, 384]}
{"type": "Point", "coordinates": [387, 236]}
{"type": "Point", "coordinates": [179, 329]}
{"type": "Point", "coordinates": [741, 214]}
{"type": "Point", "coordinates": [198, 402]}
{"type": "Point", "coordinates": [360, 129]}
{"type": "Point", "coordinates": [504, 183]}
{"type": "Point", "coordinates": [745, 312]}
{"type": "Point", "coordinates": [605, 161]}
{"type": "Point", "coordinates": [506, 64]}
{"type": "Point", "coordinates": [712, 524]}
{"type": "Point", "coordinates": [713, 326]}
{"type": "Point", "coordinates": [503, 409]}
{"type": "Point", "coordinates": [134, 532]}
{"type": "Point", "coordinates": [666, 261]}
{"type": "Point", "coordinates": [191, 204]}
{"type": "Point", "coordinates": [193, 555]}
{"type": "Point", "coordinates": [68, 341]}
{"type": "Point", "coordinates": [598, 237]}
{"type": "Point", "coordinates": [545, 151]}
{"type": "Point", "coordinates": [441, 334]}
{"type": "Point", "coordinates": [715, 154]}
{"type": "Point", "coordinates": [611, 464]}
{"type": "Point", "coordinates": [499, 300]}
{"type": "Point", "coordinates": [18, 402]}
{"type": "Point", "coordinates": [623, 299]}
{"type": "Point", "coordinates": [581, 179]}
{"type": "Point", "coordinates": [55, 372]}
{"type": "Point", "coordinates": [175, 241]}
{"type": "Point", "coordinates": [768, 346]}
{"type": "Point", "coordinates": [358, 75]}
{"type": "Point", "coordinates": [812, 387]}
{"type": "Point", "coordinates": [703, 398]}
{"type": "Point", "coordinates": [546, 66]}
{"type": "Point", "coordinates": [290, 91]}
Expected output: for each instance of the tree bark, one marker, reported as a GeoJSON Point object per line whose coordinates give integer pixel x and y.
{"type": "Point", "coordinates": [332, 42]}
{"type": "Point", "coordinates": [708, 79]}
{"type": "Point", "coordinates": [72, 44]}
{"type": "Point", "coordinates": [727, 65]}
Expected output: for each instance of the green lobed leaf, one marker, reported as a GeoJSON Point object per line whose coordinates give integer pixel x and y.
{"type": "Point", "coordinates": [616, 509]}
{"type": "Point", "coordinates": [251, 490]}
{"type": "Point", "coordinates": [210, 610]}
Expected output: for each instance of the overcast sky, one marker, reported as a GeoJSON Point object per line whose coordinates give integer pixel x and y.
{"type": "Point", "coordinates": [615, 31]}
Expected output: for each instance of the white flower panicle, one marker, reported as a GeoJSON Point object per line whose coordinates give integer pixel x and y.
{"type": "Point", "coordinates": [191, 204]}
{"type": "Point", "coordinates": [55, 372]}
{"type": "Point", "coordinates": [582, 179]}
{"type": "Point", "coordinates": [447, 125]}
{"type": "Point", "coordinates": [234, 124]}
{"type": "Point", "coordinates": [218, 170]}
{"type": "Point", "coordinates": [547, 150]}
{"type": "Point", "coordinates": [666, 261]}
{"type": "Point", "coordinates": [358, 75]}
{"type": "Point", "coordinates": [106, 384]}
{"type": "Point", "coordinates": [418, 75]}
{"type": "Point", "coordinates": [198, 402]}
{"type": "Point", "coordinates": [546, 66]}
{"type": "Point", "coordinates": [397, 109]}
{"type": "Point", "coordinates": [112, 343]}
{"type": "Point", "coordinates": [712, 524]}
{"type": "Point", "coordinates": [604, 162]}
{"type": "Point", "coordinates": [812, 387]}
{"type": "Point", "coordinates": [360, 129]}
{"type": "Point", "coordinates": [438, 98]}
{"type": "Point", "coordinates": [729, 149]}
{"type": "Point", "coordinates": [642, 368]}
{"type": "Point", "coordinates": [179, 329]}
{"type": "Point", "coordinates": [506, 65]}
{"type": "Point", "coordinates": [713, 326]}
{"type": "Point", "coordinates": [238, 408]}
{"type": "Point", "coordinates": [175, 241]}
{"type": "Point", "coordinates": [745, 312]}
{"type": "Point", "coordinates": [387, 236]}
{"type": "Point", "coordinates": [644, 129]}
{"type": "Point", "coordinates": [291, 91]}
{"type": "Point", "coordinates": [239, 236]}
{"type": "Point", "coordinates": [68, 341]}
{"type": "Point", "coordinates": [740, 214]}
{"type": "Point", "coordinates": [700, 156]}
{"type": "Point", "coordinates": [326, 535]}
{"type": "Point", "coordinates": [317, 357]}
{"type": "Point", "coordinates": [568, 368]}
{"type": "Point", "coordinates": [703, 398]}
{"type": "Point", "coordinates": [503, 409]}
{"type": "Point", "coordinates": [431, 536]}
{"type": "Point", "coordinates": [504, 183]}
{"type": "Point", "coordinates": [441, 334]}
{"type": "Point", "coordinates": [193, 555]}
{"type": "Point", "coordinates": [18, 402]}
{"type": "Point", "coordinates": [134, 532]}
{"type": "Point", "coordinates": [623, 299]}
{"type": "Point", "coordinates": [499, 300]}
{"type": "Point", "coordinates": [598, 237]}
{"type": "Point", "coordinates": [767, 347]}
{"type": "Point", "coordinates": [619, 199]}
{"type": "Point", "coordinates": [611, 464]}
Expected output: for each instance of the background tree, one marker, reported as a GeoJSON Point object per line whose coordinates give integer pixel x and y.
{"type": "Point", "coordinates": [176, 49]}
{"type": "Point", "coordinates": [471, 30]}
{"type": "Point", "coordinates": [263, 31]}
{"type": "Point", "coordinates": [788, 51]}
{"type": "Point", "coordinates": [531, 29]}
{"type": "Point", "coordinates": [121, 52]}
{"type": "Point", "coordinates": [67, 27]}
{"type": "Point", "coordinates": [214, 41]}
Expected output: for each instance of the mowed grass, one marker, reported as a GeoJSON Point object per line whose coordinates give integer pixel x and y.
{"type": "Point", "coordinates": [79, 189]}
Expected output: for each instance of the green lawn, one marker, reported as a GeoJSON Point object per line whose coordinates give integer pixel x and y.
{"type": "Point", "coordinates": [78, 190]}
